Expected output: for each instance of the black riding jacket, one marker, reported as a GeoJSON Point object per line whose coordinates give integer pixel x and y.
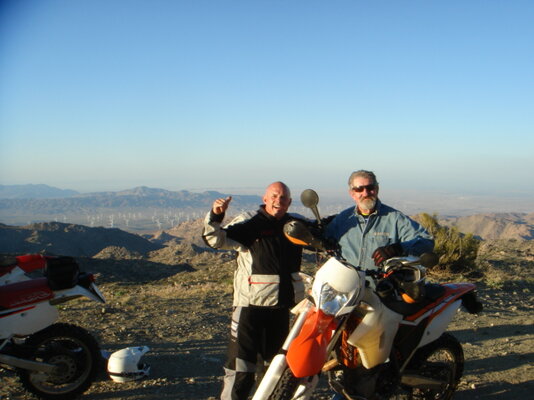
{"type": "Point", "coordinates": [268, 264]}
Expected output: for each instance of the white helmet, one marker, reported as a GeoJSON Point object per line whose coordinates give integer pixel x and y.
{"type": "Point", "coordinates": [124, 365]}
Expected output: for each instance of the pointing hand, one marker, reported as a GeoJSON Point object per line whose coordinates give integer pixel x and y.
{"type": "Point", "coordinates": [220, 205]}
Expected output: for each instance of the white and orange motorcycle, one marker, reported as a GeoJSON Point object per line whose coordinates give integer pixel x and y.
{"type": "Point", "coordinates": [373, 334]}
{"type": "Point", "coordinates": [53, 360]}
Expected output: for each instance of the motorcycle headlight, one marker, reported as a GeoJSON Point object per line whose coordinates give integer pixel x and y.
{"type": "Point", "coordinates": [331, 300]}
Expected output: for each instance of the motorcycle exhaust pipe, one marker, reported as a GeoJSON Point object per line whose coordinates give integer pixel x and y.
{"type": "Point", "coordinates": [27, 364]}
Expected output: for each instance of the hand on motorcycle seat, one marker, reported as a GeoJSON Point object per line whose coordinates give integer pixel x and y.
{"type": "Point", "coordinates": [383, 253]}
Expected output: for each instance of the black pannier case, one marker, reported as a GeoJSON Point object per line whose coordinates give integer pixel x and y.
{"type": "Point", "coordinates": [61, 272]}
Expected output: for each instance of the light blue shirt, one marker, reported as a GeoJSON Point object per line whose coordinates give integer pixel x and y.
{"type": "Point", "coordinates": [360, 236]}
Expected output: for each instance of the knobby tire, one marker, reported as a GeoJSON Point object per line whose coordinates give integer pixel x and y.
{"type": "Point", "coordinates": [427, 362]}
{"type": "Point", "coordinates": [286, 386]}
{"type": "Point", "coordinates": [74, 350]}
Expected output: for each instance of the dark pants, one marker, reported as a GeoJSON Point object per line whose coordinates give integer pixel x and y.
{"type": "Point", "coordinates": [254, 331]}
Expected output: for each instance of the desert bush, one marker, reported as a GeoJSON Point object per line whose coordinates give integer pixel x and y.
{"type": "Point", "coordinates": [457, 252]}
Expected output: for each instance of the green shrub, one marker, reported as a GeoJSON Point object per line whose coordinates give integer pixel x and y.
{"type": "Point", "coordinates": [457, 252]}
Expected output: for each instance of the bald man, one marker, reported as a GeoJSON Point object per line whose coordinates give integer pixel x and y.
{"type": "Point", "coordinates": [266, 283]}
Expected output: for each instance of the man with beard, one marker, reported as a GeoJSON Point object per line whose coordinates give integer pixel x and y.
{"type": "Point", "coordinates": [372, 232]}
{"type": "Point", "coordinates": [266, 283]}
{"type": "Point", "coordinates": [369, 234]}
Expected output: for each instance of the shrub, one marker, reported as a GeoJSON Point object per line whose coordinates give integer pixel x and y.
{"type": "Point", "coordinates": [457, 252]}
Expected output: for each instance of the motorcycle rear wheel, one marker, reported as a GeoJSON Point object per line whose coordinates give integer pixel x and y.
{"type": "Point", "coordinates": [73, 350]}
{"type": "Point", "coordinates": [442, 359]}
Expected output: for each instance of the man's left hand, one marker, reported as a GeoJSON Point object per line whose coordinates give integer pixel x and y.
{"type": "Point", "coordinates": [385, 252]}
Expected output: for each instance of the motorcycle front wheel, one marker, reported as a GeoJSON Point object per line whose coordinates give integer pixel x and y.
{"type": "Point", "coordinates": [75, 353]}
{"type": "Point", "coordinates": [290, 387]}
{"type": "Point", "coordinates": [286, 386]}
{"type": "Point", "coordinates": [442, 360]}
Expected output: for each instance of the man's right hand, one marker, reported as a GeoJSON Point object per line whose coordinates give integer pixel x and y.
{"type": "Point", "coordinates": [386, 252]}
{"type": "Point", "coordinates": [221, 205]}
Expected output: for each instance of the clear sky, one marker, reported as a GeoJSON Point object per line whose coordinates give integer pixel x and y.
{"type": "Point", "coordinates": [434, 96]}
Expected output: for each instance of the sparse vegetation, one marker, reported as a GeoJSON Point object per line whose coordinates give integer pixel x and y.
{"type": "Point", "coordinates": [457, 251]}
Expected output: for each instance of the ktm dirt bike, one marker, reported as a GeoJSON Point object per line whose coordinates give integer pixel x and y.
{"type": "Point", "coordinates": [53, 360]}
{"type": "Point", "coordinates": [374, 334]}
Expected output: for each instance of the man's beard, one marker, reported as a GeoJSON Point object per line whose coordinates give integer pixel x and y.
{"type": "Point", "coordinates": [368, 203]}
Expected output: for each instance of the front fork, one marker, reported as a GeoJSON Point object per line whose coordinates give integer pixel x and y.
{"type": "Point", "coordinates": [279, 363]}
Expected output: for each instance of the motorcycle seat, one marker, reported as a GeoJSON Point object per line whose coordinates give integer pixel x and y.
{"type": "Point", "coordinates": [432, 292]}
{"type": "Point", "coordinates": [24, 293]}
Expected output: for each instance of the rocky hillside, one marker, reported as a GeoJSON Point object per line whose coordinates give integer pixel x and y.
{"type": "Point", "coordinates": [517, 226]}
{"type": "Point", "coordinates": [83, 241]}
{"type": "Point", "coordinates": [189, 231]}
{"type": "Point", "coordinates": [177, 301]}
{"type": "Point", "coordinates": [69, 240]}
{"type": "Point", "coordinates": [180, 247]}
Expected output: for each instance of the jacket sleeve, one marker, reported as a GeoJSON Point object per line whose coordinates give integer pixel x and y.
{"type": "Point", "coordinates": [414, 238]}
{"type": "Point", "coordinates": [217, 237]}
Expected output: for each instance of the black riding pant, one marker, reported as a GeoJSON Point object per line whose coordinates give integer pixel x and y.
{"type": "Point", "coordinates": [254, 331]}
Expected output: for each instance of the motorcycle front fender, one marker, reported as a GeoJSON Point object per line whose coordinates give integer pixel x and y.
{"type": "Point", "coordinates": [307, 353]}
{"type": "Point", "coordinates": [279, 363]}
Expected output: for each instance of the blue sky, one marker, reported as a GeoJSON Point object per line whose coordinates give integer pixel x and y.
{"type": "Point", "coordinates": [434, 96]}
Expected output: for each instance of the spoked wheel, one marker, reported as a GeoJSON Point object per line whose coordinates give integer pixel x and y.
{"type": "Point", "coordinates": [442, 360]}
{"type": "Point", "coordinates": [73, 351]}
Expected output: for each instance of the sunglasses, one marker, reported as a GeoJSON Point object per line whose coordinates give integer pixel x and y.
{"type": "Point", "coordinates": [360, 189]}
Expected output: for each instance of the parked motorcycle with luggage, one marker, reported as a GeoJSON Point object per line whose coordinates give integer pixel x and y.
{"type": "Point", "coordinates": [22, 268]}
{"type": "Point", "coordinates": [374, 334]}
{"type": "Point", "coordinates": [53, 360]}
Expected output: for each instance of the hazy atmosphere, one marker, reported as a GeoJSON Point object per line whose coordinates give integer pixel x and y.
{"type": "Point", "coordinates": [435, 97]}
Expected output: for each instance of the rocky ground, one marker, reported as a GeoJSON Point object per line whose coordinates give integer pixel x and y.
{"type": "Point", "coordinates": [182, 313]}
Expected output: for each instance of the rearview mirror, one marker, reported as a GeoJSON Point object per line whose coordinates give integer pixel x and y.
{"type": "Point", "coordinates": [310, 199]}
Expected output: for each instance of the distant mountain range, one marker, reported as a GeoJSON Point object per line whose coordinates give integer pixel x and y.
{"type": "Point", "coordinates": [51, 198]}
{"type": "Point", "coordinates": [144, 209]}
{"type": "Point", "coordinates": [140, 208]}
